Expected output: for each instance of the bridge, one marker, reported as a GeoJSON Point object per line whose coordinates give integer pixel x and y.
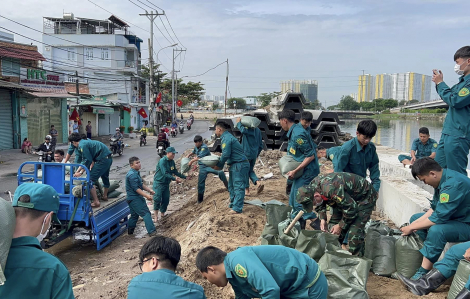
{"type": "Point", "coordinates": [426, 105]}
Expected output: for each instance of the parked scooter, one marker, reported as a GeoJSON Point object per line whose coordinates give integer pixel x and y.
{"type": "Point", "coordinates": [181, 127]}
{"type": "Point", "coordinates": [114, 146]}
{"type": "Point", "coordinates": [161, 148]}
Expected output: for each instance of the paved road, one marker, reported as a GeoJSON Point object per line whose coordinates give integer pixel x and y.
{"type": "Point", "coordinates": [147, 154]}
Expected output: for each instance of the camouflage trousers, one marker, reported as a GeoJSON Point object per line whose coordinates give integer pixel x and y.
{"type": "Point", "coordinates": [356, 229]}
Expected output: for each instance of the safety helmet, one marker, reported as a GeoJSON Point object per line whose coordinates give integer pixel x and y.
{"type": "Point", "coordinates": [164, 126]}
{"type": "Point", "coordinates": [48, 137]}
{"type": "Point", "coordinates": [162, 130]}
{"type": "Point", "coordinates": [117, 129]}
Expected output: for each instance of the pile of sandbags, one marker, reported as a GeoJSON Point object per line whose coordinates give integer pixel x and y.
{"type": "Point", "coordinates": [275, 214]}
{"type": "Point", "coordinates": [112, 192]}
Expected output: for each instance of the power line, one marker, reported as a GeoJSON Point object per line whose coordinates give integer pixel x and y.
{"type": "Point", "coordinates": [137, 5]}
{"type": "Point", "coordinates": [205, 71]}
{"type": "Point", "coordinates": [167, 30]}
{"type": "Point", "coordinates": [154, 5]}
{"type": "Point", "coordinates": [174, 32]}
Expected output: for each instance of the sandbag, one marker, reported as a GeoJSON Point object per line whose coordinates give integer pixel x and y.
{"type": "Point", "coordinates": [114, 194]}
{"type": "Point", "coordinates": [274, 215]}
{"type": "Point", "coordinates": [408, 259]}
{"type": "Point", "coordinates": [460, 279]}
{"type": "Point", "coordinates": [250, 121]}
{"type": "Point", "coordinates": [210, 161]}
{"type": "Point", "coordinates": [312, 243]}
{"type": "Point", "coordinates": [378, 226]}
{"type": "Point", "coordinates": [270, 240]}
{"type": "Point", "coordinates": [113, 185]}
{"type": "Point", "coordinates": [346, 274]}
{"type": "Point", "coordinates": [184, 165]}
{"type": "Point", "coordinates": [287, 163]}
{"type": "Point", "coordinates": [7, 225]}
{"type": "Point", "coordinates": [290, 239]}
{"type": "Point", "coordinates": [381, 250]}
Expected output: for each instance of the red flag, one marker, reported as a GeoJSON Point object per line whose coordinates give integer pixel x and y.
{"type": "Point", "coordinates": [75, 117]}
{"type": "Point", "coordinates": [142, 112]}
{"type": "Point", "coordinates": [128, 109]}
{"type": "Point", "coordinates": [159, 98]}
{"type": "Point", "coordinates": [179, 103]}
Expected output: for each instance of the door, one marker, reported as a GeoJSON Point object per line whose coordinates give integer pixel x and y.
{"type": "Point", "coordinates": [42, 113]}
{"type": "Point", "coordinates": [103, 124]}
{"type": "Point", "coordinates": [6, 120]}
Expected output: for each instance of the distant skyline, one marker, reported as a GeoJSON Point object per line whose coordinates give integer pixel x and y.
{"type": "Point", "coordinates": [269, 41]}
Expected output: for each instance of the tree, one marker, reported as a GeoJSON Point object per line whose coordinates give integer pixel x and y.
{"type": "Point", "coordinates": [157, 77]}
{"type": "Point", "coordinates": [367, 106]}
{"type": "Point", "coordinates": [402, 103]}
{"type": "Point", "coordinates": [189, 92]}
{"type": "Point", "coordinates": [240, 103]}
{"type": "Point", "coordinates": [348, 103]}
{"type": "Point", "coordinates": [413, 102]}
{"type": "Point", "coordinates": [215, 106]}
{"type": "Point", "coordinates": [315, 105]}
{"type": "Point", "coordinates": [334, 107]}
{"type": "Point", "coordinates": [265, 98]}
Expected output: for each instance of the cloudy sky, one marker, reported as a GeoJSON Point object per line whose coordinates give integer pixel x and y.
{"type": "Point", "coordinates": [267, 41]}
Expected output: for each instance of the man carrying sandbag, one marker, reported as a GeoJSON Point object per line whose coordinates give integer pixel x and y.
{"type": "Point", "coordinates": [232, 153]}
{"type": "Point", "coordinates": [353, 197]}
{"type": "Point", "coordinates": [252, 143]}
{"type": "Point", "coordinates": [201, 150]}
{"type": "Point", "coordinates": [266, 271]}
{"type": "Point", "coordinates": [302, 150]}
{"type": "Point", "coordinates": [164, 174]}
{"type": "Point", "coordinates": [448, 219]}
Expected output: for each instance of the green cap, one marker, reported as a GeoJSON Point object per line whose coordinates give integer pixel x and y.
{"type": "Point", "coordinates": [171, 150]}
{"type": "Point", "coordinates": [42, 198]}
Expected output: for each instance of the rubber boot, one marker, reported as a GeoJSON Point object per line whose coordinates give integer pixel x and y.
{"type": "Point", "coordinates": [425, 285]}
{"type": "Point", "coordinates": [464, 294]}
{"type": "Point", "coordinates": [200, 197]}
{"type": "Point", "coordinates": [130, 231]}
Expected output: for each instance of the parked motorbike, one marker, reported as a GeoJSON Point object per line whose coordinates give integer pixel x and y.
{"type": "Point", "coordinates": [143, 140]}
{"type": "Point", "coordinates": [161, 148]}
{"type": "Point", "coordinates": [173, 132]}
{"type": "Point", "coordinates": [114, 146]}
{"type": "Point", "coordinates": [181, 127]}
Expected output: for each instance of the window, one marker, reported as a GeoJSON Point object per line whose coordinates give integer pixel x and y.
{"type": "Point", "coordinates": [71, 54]}
{"type": "Point", "coordinates": [104, 54]}
{"type": "Point", "coordinates": [89, 53]}
{"type": "Point", "coordinates": [10, 67]}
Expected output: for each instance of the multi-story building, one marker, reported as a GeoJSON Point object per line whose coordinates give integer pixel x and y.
{"type": "Point", "coordinates": [411, 86]}
{"type": "Point", "coordinates": [309, 88]}
{"type": "Point", "coordinates": [106, 54]}
{"type": "Point", "coordinates": [383, 86]}
{"type": "Point", "coordinates": [366, 88]}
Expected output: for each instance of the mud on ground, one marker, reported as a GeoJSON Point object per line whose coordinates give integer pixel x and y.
{"type": "Point", "coordinates": [106, 273]}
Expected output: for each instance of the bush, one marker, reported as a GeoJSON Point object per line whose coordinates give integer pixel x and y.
{"type": "Point", "coordinates": [122, 128]}
{"type": "Point", "coordinates": [130, 129]}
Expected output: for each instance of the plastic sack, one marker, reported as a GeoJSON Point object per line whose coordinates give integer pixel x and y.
{"type": "Point", "coordinates": [250, 121]}
{"type": "Point", "coordinates": [287, 163]}
{"type": "Point", "coordinates": [210, 161]}
{"type": "Point", "coordinates": [346, 274]}
{"type": "Point", "coordinates": [381, 250]}
{"type": "Point", "coordinates": [312, 243]}
{"type": "Point", "coordinates": [184, 165]}
{"type": "Point", "coordinates": [7, 223]}
{"type": "Point", "coordinates": [408, 259]}
{"type": "Point", "coordinates": [270, 240]}
{"type": "Point", "coordinates": [290, 239]}
{"type": "Point", "coordinates": [274, 215]}
{"type": "Point", "coordinates": [113, 185]}
{"type": "Point", "coordinates": [114, 194]}
{"type": "Point", "coordinates": [378, 226]}
{"type": "Point", "coordinates": [460, 279]}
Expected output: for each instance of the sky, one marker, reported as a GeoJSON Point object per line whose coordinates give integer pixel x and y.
{"type": "Point", "coordinates": [265, 42]}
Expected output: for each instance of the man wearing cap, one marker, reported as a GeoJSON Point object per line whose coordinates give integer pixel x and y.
{"type": "Point", "coordinates": [96, 152]}
{"type": "Point", "coordinates": [29, 271]}
{"type": "Point", "coordinates": [164, 174]}
{"type": "Point", "coordinates": [353, 197]}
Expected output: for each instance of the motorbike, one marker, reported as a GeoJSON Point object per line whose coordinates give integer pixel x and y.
{"type": "Point", "coordinates": [181, 127]}
{"type": "Point", "coordinates": [114, 146]}
{"type": "Point", "coordinates": [161, 148]}
{"type": "Point", "coordinates": [143, 140]}
{"type": "Point", "coordinates": [173, 132]}
{"type": "Point", "coordinates": [188, 125]}
{"type": "Point", "coordinates": [45, 157]}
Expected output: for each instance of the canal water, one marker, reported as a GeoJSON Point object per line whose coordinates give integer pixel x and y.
{"type": "Point", "coordinates": [398, 133]}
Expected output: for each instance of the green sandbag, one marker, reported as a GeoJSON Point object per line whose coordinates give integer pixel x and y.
{"type": "Point", "coordinates": [312, 243]}
{"type": "Point", "coordinates": [184, 165]}
{"type": "Point", "coordinates": [381, 250]}
{"type": "Point", "coordinates": [270, 240]}
{"type": "Point", "coordinates": [408, 259]}
{"type": "Point", "coordinates": [332, 239]}
{"type": "Point", "coordinates": [250, 121]}
{"type": "Point", "coordinates": [346, 275]}
{"type": "Point", "coordinates": [333, 248]}
{"type": "Point", "coordinates": [113, 185]}
{"type": "Point", "coordinates": [290, 239]}
{"type": "Point", "coordinates": [460, 279]}
{"type": "Point", "coordinates": [287, 163]}
{"type": "Point", "coordinates": [274, 215]}
{"type": "Point", "coordinates": [114, 194]}
{"type": "Point", "coordinates": [378, 226]}
{"type": "Point", "coordinates": [210, 161]}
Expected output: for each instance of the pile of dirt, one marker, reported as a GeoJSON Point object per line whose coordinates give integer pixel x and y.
{"type": "Point", "coordinates": [106, 274]}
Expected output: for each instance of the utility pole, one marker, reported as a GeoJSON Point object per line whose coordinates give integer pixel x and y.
{"type": "Point", "coordinates": [152, 16]}
{"type": "Point", "coordinates": [176, 89]}
{"type": "Point", "coordinates": [77, 87]}
{"type": "Point", "coordinates": [173, 106]}
{"type": "Point", "coordinates": [226, 87]}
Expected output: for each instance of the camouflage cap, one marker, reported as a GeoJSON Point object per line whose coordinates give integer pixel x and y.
{"type": "Point", "coordinates": [304, 196]}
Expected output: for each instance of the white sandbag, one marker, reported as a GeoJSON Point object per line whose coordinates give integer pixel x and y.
{"type": "Point", "coordinates": [287, 163]}
{"type": "Point", "coordinates": [184, 165]}
{"type": "Point", "coordinates": [250, 121]}
{"type": "Point", "coordinates": [210, 161]}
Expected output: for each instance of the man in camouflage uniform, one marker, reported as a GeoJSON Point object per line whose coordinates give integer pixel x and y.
{"type": "Point", "coordinates": [351, 195]}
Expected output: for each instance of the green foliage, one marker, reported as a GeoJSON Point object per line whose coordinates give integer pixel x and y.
{"type": "Point", "coordinates": [215, 106]}
{"type": "Point", "coordinates": [189, 92]}
{"type": "Point", "coordinates": [240, 103]}
{"type": "Point", "coordinates": [157, 77]}
{"type": "Point", "coordinates": [316, 105]}
{"type": "Point", "coordinates": [130, 129]}
{"type": "Point", "coordinates": [122, 128]}
{"type": "Point", "coordinates": [334, 107]}
{"type": "Point", "coordinates": [265, 98]}
{"type": "Point", "coordinates": [413, 102]}
{"type": "Point", "coordinates": [433, 111]}
{"type": "Point", "coordinates": [348, 103]}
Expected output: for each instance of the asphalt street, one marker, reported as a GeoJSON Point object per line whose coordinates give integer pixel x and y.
{"type": "Point", "coordinates": [147, 154]}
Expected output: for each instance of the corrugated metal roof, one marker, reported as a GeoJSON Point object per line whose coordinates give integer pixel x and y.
{"type": "Point", "coordinates": [11, 85]}
{"type": "Point", "coordinates": [20, 53]}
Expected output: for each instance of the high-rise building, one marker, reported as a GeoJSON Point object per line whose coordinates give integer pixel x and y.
{"type": "Point", "coordinates": [366, 88]}
{"type": "Point", "coordinates": [309, 88]}
{"type": "Point", "coordinates": [411, 86]}
{"type": "Point", "coordinates": [383, 86]}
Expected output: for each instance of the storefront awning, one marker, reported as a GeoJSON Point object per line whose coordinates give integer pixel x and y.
{"type": "Point", "coordinates": [51, 95]}
{"type": "Point", "coordinates": [103, 110]}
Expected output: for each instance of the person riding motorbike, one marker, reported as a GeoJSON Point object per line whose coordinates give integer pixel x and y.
{"type": "Point", "coordinates": [174, 129]}
{"type": "Point", "coordinates": [46, 147]}
{"type": "Point", "coordinates": [163, 137]}
{"type": "Point", "coordinates": [189, 122]}
{"type": "Point", "coordinates": [166, 129]}
{"type": "Point", "coordinates": [143, 132]}
{"type": "Point", "coordinates": [118, 135]}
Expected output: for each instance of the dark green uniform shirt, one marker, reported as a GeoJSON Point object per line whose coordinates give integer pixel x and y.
{"type": "Point", "coordinates": [424, 150]}
{"type": "Point", "coordinates": [355, 159]}
{"type": "Point", "coordinates": [163, 283]}
{"type": "Point", "coordinates": [301, 146]}
{"type": "Point", "coordinates": [332, 152]}
{"type": "Point", "coordinates": [232, 150]}
{"type": "Point", "coordinates": [164, 173]}
{"type": "Point", "coordinates": [133, 182]}
{"type": "Point", "coordinates": [451, 200]}
{"type": "Point", "coordinates": [32, 273]}
{"type": "Point", "coordinates": [347, 191]}
{"type": "Point", "coordinates": [270, 272]}
{"type": "Point", "coordinates": [252, 141]}
{"type": "Point", "coordinates": [457, 122]}
{"type": "Point", "coordinates": [201, 152]}
{"type": "Point", "coordinates": [92, 151]}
